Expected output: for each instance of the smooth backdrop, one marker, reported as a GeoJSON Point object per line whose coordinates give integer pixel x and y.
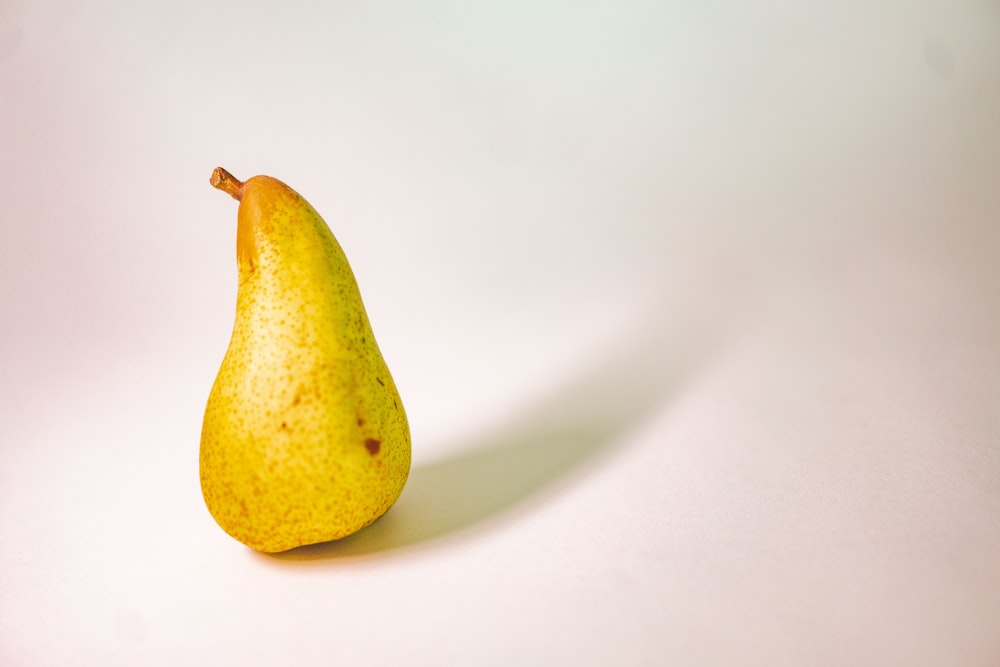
{"type": "Point", "coordinates": [694, 308]}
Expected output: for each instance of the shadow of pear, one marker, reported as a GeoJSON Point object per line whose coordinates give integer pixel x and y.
{"type": "Point", "coordinates": [546, 444]}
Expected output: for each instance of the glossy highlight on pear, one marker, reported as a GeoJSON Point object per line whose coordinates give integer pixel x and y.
{"type": "Point", "coordinates": [305, 438]}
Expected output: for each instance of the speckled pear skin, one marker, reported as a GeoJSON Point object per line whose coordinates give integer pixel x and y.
{"type": "Point", "coordinates": [305, 439]}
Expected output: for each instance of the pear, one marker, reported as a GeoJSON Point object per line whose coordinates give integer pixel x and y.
{"type": "Point", "coordinates": [305, 439]}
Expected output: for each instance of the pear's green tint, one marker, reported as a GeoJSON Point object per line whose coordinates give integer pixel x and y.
{"type": "Point", "coordinates": [305, 439]}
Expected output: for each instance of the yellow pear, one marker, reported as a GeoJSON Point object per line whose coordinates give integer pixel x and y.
{"type": "Point", "coordinates": [305, 439]}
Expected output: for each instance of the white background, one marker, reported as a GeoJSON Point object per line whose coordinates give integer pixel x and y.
{"type": "Point", "coordinates": [694, 308]}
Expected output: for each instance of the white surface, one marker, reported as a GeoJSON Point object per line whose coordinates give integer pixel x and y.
{"type": "Point", "coordinates": [695, 309]}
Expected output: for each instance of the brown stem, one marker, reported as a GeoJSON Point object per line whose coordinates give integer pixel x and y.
{"type": "Point", "coordinates": [228, 183]}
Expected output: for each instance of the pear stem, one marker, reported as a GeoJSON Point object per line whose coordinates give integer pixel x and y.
{"type": "Point", "coordinates": [228, 183]}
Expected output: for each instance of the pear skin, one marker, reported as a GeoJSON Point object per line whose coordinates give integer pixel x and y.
{"type": "Point", "coordinates": [305, 439]}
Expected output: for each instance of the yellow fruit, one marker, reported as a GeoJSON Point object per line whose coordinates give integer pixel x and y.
{"type": "Point", "coordinates": [305, 439]}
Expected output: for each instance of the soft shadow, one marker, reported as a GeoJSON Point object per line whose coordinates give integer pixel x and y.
{"type": "Point", "coordinates": [553, 439]}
